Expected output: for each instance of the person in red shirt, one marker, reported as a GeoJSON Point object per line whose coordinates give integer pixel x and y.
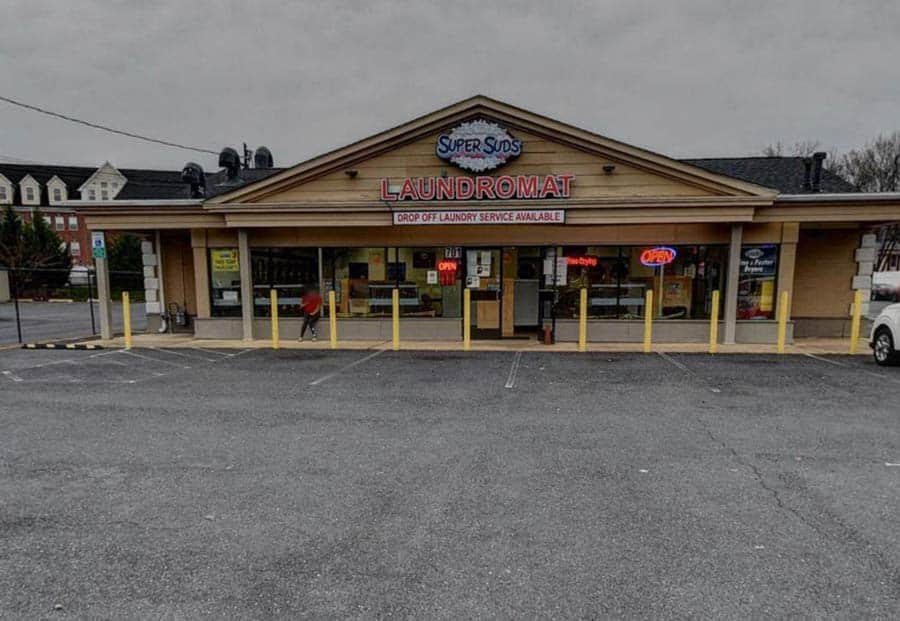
{"type": "Point", "coordinates": [311, 305]}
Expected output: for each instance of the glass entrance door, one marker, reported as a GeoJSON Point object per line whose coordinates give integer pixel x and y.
{"type": "Point", "coordinates": [484, 279]}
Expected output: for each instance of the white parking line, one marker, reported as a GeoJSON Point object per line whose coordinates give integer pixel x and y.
{"type": "Point", "coordinates": [674, 362]}
{"type": "Point", "coordinates": [327, 377]}
{"type": "Point", "coordinates": [852, 365]}
{"type": "Point", "coordinates": [210, 351]}
{"type": "Point", "coordinates": [182, 354]}
{"type": "Point", "coordinates": [815, 357]}
{"type": "Point", "coordinates": [131, 353]}
{"type": "Point", "coordinates": [12, 376]}
{"type": "Point", "coordinates": [511, 379]}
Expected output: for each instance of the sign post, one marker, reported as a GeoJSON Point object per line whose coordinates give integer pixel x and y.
{"type": "Point", "coordinates": [98, 251]}
{"type": "Point", "coordinates": [98, 245]}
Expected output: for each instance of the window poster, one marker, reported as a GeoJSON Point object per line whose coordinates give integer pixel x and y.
{"type": "Point", "coordinates": [225, 260]}
{"type": "Point", "coordinates": [756, 286]}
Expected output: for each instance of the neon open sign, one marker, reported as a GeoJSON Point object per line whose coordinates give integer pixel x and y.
{"type": "Point", "coordinates": [654, 257]}
{"type": "Point", "coordinates": [586, 261]}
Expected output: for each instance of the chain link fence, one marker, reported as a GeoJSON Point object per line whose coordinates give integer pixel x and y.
{"type": "Point", "coordinates": [47, 305]}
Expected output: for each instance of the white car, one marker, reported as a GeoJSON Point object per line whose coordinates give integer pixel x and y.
{"type": "Point", "coordinates": [885, 336]}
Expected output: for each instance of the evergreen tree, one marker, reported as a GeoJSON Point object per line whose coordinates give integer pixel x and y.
{"type": "Point", "coordinates": [12, 238]}
{"type": "Point", "coordinates": [125, 254]}
{"type": "Point", "coordinates": [33, 248]}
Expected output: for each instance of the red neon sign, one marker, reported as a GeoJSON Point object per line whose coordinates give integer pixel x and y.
{"type": "Point", "coordinates": [654, 257]}
{"type": "Point", "coordinates": [447, 271]}
{"type": "Point", "coordinates": [582, 261]}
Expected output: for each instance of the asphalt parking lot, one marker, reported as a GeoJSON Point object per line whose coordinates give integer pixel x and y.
{"type": "Point", "coordinates": [48, 321]}
{"type": "Point", "coordinates": [254, 484]}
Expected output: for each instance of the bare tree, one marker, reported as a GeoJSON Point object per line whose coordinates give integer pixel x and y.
{"type": "Point", "coordinates": [801, 148]}
{"type": "Point", "coordinates": [876, 166]}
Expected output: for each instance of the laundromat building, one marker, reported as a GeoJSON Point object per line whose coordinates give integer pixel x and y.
{"type": "Point", "coordinates": [524, 212]}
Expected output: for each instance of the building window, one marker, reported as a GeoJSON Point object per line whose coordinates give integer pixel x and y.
{"type": "Point", "coordinates": [756, 284]}
{"type": "Point", "coordinates": [73, 223]}
{"type": "Point", "coordinates": [103, 184]}
{"type": "Point", "coordinates": [104, 195]}
{"type": "Point", "coordinates": [290, 271]}
{"type": "Point", "coordinates": [430, 282]}
{"type": "Point", "coordinates": [92, 194]}
{"type": "Point", "coordinates": [360, 280]}
{"type": "Point", "coordinates": [57, 195]}
{"type": "Point", "coordinates": [75, 249]}
{"type": "Point", "coordinates": [4, 194]}
{"type": "Point", "coordinates": [29, 193]}
{"type": "Point", "coordinates": [225, 282]}
{"type": "Point", "coordinates": [617, 279]}
{"type": "Point", "coordinates": [60, 223]}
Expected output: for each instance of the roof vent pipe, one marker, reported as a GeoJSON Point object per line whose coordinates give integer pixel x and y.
{"type": "Point", "coordinates": [230, 161]}
{"type": "Point", "coordinates": [818, 159]}
{"type": "Point", "coordinates": [807, 172]}
{"type": "Point", "coordinates": [262, 158]}
{"type": "Point", "coordinates": [193, 175]}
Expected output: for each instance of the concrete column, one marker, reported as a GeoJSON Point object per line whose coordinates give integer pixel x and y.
{"type": "Point", "coordinates": [200, 254]}
{"type": "Point", "coordinates": [865, 257]}
{"type": "Point", "coordinates": [246, 285]}
{"type": "Point", "coordinates": [787, 259]}
{"type": "Point", "coordinates": [731, 283]}
{"type": "Point", "coordinates": [101, 267]}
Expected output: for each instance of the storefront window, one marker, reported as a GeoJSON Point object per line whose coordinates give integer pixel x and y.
{"type": "Point", "coordinates": [290, 271]}
{"type": "Point", "coordinates": [756, 287]}
{"type": "Point", "coordinates": [429, 280]}
{"type": "Point", "coordinates": [617, 278]}
{"type": "Point", "coordinates": [359, 278]}
{"type": "Point", "coordinates": [225, 282]}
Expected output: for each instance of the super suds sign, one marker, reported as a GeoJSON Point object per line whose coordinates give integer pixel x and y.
{"type": "Point", "coordinates": [478, 146]}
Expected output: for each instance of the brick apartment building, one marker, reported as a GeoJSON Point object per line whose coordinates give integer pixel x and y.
{"type": "Point", "coordinates": [31, 187]}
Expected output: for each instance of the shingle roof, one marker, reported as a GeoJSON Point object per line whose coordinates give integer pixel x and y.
{"type": "Point", "coordinates": [784, 174]}
{"type": "Point", "coordinates": [141, 184]}
{"type": "Point", "coordinates": [218, 183]}
{"type": "Point", "coordinates": [72, 176]}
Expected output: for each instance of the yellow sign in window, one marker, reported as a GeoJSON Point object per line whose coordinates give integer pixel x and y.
{"type": "Point", "coordinates": [225, 260]}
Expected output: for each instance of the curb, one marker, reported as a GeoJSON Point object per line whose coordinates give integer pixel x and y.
{"type": "Point", "coordinates": [60, 346]}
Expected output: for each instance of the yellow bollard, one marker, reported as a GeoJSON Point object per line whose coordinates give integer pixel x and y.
{"type": "Point", "coordinates": [648, 320]}
{"type": "Point", "coordinates": [126, 318]}
{"type": "Point", "coordinates": [857, 318]}
{"type": "Point", "coordinates": [332, 319]}
{"type": "Point", "coordinates": [714, 323]}
{"type": "Point", "coordinates": [782, 321]}
{"type": "Point", "coordinates": [395, 312]}
{"type": "Point", "coordinates": [582, 321]}
{"type": "Point", "coordinates": [467, 319]}
{"type": "Point", "coordinates": [273, 298]}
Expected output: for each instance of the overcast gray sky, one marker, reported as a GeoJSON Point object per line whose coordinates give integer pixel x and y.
{"type": "Point", "coordinates": [701, 78]}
